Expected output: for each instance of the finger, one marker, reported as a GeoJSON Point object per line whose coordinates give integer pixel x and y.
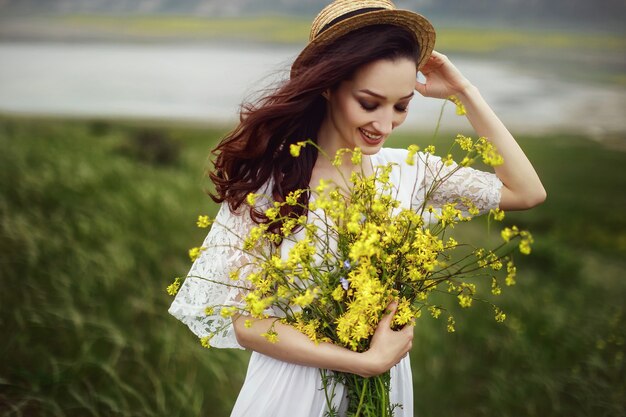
{"type": "Point", "coordinates": [420, 87]}
{"type": "Point", "coordinates": [437, 57]}
{"type": "Point", "coordinates": [391, 309]}
{"type": "Point", "coordinates": [408, 328]}
{"type": "Point", "coordinates": [392, 306]}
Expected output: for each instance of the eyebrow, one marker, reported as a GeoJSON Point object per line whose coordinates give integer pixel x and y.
{"type": "Point", "coordinates": [371, 93]}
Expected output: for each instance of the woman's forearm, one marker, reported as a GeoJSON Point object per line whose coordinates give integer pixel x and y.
{"type": "Point", "coordinates": [522, 187]}
{"type": "Point", "coordinates": [295, 347]}
{"type": "Point", "coordinates": [387, 346]}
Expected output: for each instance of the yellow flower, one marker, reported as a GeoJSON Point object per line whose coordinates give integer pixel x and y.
{"type": "Point", "coordinates": [524, 244]}
{"type": "Point", "coordinates": [464, 142]}
{"type": "Point", "coordinates": [511, 271]}
{"type": "Point", "coordinates": [451, 324]}
{"type": "Point", "coordinates": [509, 232]}
{"type": "Point", "coordinates": [209, 311]}
{"type": "Point", "coordinates": [495, 288]}
{"type": "Point", "coordinates": [271, 336]}
{"type": "Point", "coordinates": [322, 186]}
{"type": "Point", "coordinates": [524, 247]}
{"type": "Point", "coordinates": [500, 316]}
{"type": "Point", "coordinates": [450, 215]}
{"type": "Point", "coordinates": [452, 287]}
{"type": "Point", "coordinates": [338, 293]}
{"type": "Point", "coordinates": [206, 341]}
{"type": "Point", "coordinates": [251, 199]}
{"type": "Point", "coordinates": [430, 149]}
{"type": "Point", "coordinates": [173, 288]}
{"type": "Point", "coordinates": [253, 237]}
{"type": "Point", "coordinates": [272, 213]}
{"type": "Point", "coordinates": [471, 207]}
{"type": "Point", "coordinates": [339, 156]}
{"type": "Point", "coordinates": [194, 253]}
{"type": "Point", "coordinates": [305, 299]}
{"type": "Point", "coordinates": [497, 214]}
{"type": "Point", "coordinates": [356, 156]}
{"type": "Point", "coordinates": [294, 149]}
{"type": "Point", "coordinates": [248, 324]}
{"type": "Point", "coordinates": [404, 314]}
{"type": "Point", "coordinates": [203, 222]}
{"type": "Point", "coordinates": [292, 197]}
{"type": "Point", "coordinates": [410, 157]}
{"type": "Point", "coordinates": [465, 301]}
{"type": "Point", "coordinates": [467, 161]}
{"type": "Point", "coordinates": [488, 152]}
{"type": "Point", "coordinates": [378, 207]}
{"type": "Point", "coordinates": [460, 108]}
{"type": "Point", "coordinates": [227, 312]}
{"type": "Point", "coordinates": [256, 305]}
{"type": "Point", "coordinates": [434, 311]}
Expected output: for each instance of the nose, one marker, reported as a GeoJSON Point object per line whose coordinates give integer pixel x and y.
{"type": "Point", "coordinates": [384, 123]}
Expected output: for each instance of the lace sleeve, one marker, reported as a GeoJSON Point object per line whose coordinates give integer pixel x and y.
{"type": "Point", "coordinates": [482, 188]}
{"type": "Point", "coordinates": [208, 283]}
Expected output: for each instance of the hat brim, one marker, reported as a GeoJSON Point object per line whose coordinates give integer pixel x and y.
{"type": "Point", "coordinates": [421, 28]}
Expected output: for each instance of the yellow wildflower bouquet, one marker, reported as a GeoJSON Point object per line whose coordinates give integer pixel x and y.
{"type": "Point", "coordinates": [357, 249]}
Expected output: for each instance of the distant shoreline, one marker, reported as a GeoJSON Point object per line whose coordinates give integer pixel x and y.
{"type": "Point", "coordinates": [278, 30]}
{"type": "Point", "coordinates": [577, 54]}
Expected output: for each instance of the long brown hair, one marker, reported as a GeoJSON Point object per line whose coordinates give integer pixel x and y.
{"type": "Point", "coordinates": [256, 152]}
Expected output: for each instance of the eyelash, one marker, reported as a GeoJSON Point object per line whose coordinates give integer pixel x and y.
{"type": "Point", "coordinates": [370, 108]}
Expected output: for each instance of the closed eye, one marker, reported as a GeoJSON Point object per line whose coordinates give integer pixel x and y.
{"type": "Point", "coordinates": [371, 107]}
{"type": "Point", "coordinates": [402, 109]}
{"type": "Point", "coordinates": [368, 106]}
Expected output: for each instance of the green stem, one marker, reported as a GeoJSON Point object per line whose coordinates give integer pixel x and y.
{"type": "Point", "coordinates": [381, 393]}
{"type": "Point", "coordinates": [364, 389]}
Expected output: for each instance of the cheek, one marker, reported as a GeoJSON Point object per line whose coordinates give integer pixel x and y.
{"type": "Point", "coordinates": [401, 118]}
{"type": "Point", "coordinates": [354, 114]}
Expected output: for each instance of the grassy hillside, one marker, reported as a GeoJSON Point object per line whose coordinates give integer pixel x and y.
{"type": "Point", "coordinates": [95, 221]}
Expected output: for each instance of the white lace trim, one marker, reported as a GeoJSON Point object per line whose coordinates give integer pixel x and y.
{"type": "Point", "coordinates": [208, 283]}
{"type": "Point", "coordinates": [482, 188]}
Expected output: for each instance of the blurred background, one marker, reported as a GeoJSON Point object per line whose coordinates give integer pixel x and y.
{"type": "Point", "coordinates": [108, 112]}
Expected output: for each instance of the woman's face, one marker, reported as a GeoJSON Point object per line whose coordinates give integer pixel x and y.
{"type": "Point", "coordinates": [364, 110]}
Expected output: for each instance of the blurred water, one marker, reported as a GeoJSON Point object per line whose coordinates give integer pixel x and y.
{"type": "Point", "coordinates": [206, 83]}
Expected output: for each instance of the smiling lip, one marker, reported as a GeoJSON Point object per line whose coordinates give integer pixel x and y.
{"type": "Point", "coordinates": [369, 139]}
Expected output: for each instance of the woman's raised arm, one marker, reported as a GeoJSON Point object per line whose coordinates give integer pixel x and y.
{"type": "Point", "coordinates": [522, 188]}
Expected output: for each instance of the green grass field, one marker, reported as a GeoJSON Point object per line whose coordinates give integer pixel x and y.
{"type": "Point", "coordinates": [95, 221]}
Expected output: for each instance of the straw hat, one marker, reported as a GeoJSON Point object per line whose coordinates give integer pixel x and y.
{"type": "Point", "coordinates": [343, 16]}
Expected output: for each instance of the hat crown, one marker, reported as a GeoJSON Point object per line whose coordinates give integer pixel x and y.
{"type": "Point", "coordinates": [339, 8]}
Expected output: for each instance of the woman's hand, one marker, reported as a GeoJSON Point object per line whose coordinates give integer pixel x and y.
{"type": "Point", "coordinates": [388, 346]}
{"type": "Point", "coordinates": [443, 79]}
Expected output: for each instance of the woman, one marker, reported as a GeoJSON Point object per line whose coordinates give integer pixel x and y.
{"type": "Point", "coordinates": [350, 87]}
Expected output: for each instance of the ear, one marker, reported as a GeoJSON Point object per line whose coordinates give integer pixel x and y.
{"type": "Point", "coordinates": [326, 94]}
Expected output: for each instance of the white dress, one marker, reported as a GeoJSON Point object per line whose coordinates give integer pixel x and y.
{"type": "Point", "coordinates": [274, 388]}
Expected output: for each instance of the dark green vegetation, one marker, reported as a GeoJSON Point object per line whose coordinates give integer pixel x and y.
{"type": "Point", "coordinates": [95, 221]}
